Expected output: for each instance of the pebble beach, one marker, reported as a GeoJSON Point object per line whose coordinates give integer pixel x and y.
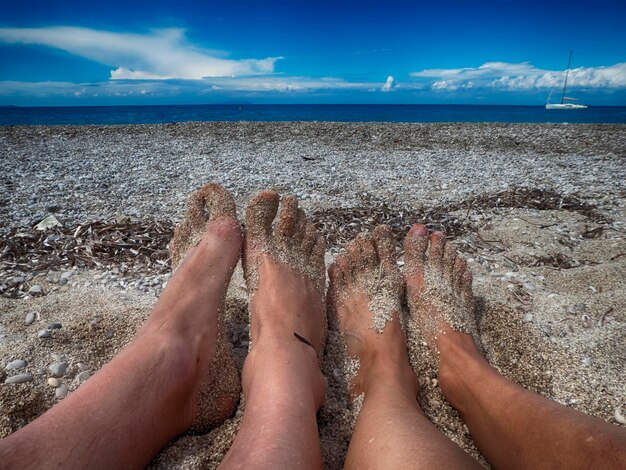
{"type": "Point", "coordinates": [537, 210]}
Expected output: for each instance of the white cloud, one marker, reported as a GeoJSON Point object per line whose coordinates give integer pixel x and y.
{"type": "Point", "coordinates": [160, 54]}
{"type": "Point", "coordinates": [389, 84]}
{"type": "Point", "coordinates": [523, 76]}
{"type": "Point", "coordinates": [240, 86]}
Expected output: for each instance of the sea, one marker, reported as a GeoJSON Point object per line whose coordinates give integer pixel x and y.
{"type": "Point", "coordinates": [86, 115]}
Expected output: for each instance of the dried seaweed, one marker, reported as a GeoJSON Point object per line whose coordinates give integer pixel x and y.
{"type": "Point", "coordinates": [341, 225]}
{"type": "Point", "coordinates": [133, 246]}
{"type": "Point", "coordinates": [140, 246]}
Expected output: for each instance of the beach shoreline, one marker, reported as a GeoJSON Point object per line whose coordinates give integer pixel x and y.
{"type": "Point", "coordinates": [538, 211]}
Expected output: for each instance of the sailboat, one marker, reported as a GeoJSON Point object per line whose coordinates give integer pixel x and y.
{"type": "Point", "coordinates": [565, 101]}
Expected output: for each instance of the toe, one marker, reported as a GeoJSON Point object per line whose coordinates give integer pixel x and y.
{"type": "Point", "coordinates": [465, 285]}
{"type": "Point", "coordinates": [336, 277]}
{"type": "Point", "coordinates": [287, 219]}
{"type": "Point", "coordinates": [385, 246]}
{"type": "Point", "coordinates": [260, 214]}
{"type": "Point", "coordinates": [309, 238]}
{"type": "Point", "coordinates": [447, 262]}
{"type": "Point", "coordinates": [415, 245]}
{"type": "Point", "coordinates": [362, 254]}
{"type": "Point", "coordinates": [435, 253]}
{"type": "Point", "coordinates": [460, 266]}
{"type": "Point", "coordinates": [317, 258]}
{"type": "Point", "coordinates": [205, 205]}
{"type": "Point", "coordinates": [218, 201]}
{"type": "Point", "coordinates": [300, 229]}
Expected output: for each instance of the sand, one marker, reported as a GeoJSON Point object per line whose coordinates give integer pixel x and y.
{"type": "Point", "coordinates": [549, 287]}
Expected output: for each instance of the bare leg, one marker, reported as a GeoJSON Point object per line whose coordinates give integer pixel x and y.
{"type": "Point", "coordinates": [513, 428]}
{"type": "Point", "coordinates": [146, 395]}
{"type": "Point", "coordinates": [282, 383]}
{"type": "Point", "coordinates": [391, 430]}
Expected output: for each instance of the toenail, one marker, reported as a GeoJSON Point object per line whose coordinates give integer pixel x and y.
{"type": "Point", "coordinates": [419, 231]}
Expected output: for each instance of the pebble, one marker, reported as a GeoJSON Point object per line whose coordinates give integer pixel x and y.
{"type": "Point", "coordinates": [54, 326]}
{"type": "Point", "coordinates": [53, 382]}
{"type": "Point", "coordinates": [30, 317]}
{"type": "Point", "coordinates": [58, 369]}
{"type": "Point", "coordinates": [43, 333]}
{"type": "Point", "coordinates": [587, 361]}
{"type": "Point", "coordinates": [60, 391]}
{"type": "Point", "coordinates": [36, 289]}
{"type": "Point", "coordinates": [84, 375]}
{"type": "Point", "coordinates": [19, 379]}
{"type": "Point", "coordinates": [528, 317]}
{"type": "Point", "coordinates": [17, 364]}
{"type": "Point", "coordinates": [82, 366]}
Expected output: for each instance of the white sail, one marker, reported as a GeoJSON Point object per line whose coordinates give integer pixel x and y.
{"type": "Point", "coordinates": [563, 104]}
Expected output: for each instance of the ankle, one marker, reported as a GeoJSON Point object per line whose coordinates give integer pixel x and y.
{"type": "Point", "coordinates": [289, 368]}
{"type": "Point", "coordinates": [386, 372]}
{"type": "Point", "coordinates": [177, 368]}
{"type": "Point", "coordinates": [460, 363]}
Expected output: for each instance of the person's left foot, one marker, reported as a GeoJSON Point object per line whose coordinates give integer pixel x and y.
{"type": "Point", "coordinates": [366, 290]}
{"type": "Point", "coordinates": [204, 252]}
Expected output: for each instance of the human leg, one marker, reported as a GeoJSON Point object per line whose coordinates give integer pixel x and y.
{"type": "Point", "coordinates": [513, 427]}
{"type": "Point", "coordinates": [391, 430]}
{"type": "Point", "coordinates": [147, 394]}
{"type": "Point", "coordinates": [282, 384]}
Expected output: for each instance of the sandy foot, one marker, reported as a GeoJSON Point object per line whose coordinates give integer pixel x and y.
{"type": "Point", "coordinates": [289, 256]}
{"type": "Point", "coordinates": [366, 291]}
{"type": "Point", "coordinates": [439, 287]}
{"type": "Point", "coordinates": [220, 390]}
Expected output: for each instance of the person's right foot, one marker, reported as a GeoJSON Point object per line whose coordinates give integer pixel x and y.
{"type": "Point", "coordinates": [286, 276]}
{"type": "Point", "coordinates": [366, 290]}
{"type": "Point", "coordinates": [440, 298]}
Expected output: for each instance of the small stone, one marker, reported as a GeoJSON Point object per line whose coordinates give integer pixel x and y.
{"type": "Point", "coordinates": [17, 364]}
{"type": "Point", "coordinates": [36, 289]}
{"type": "Point", "coordinates": [82, 366]}
{"type": "Point", "coordinates": [49, 222]}
{"type": "Point", "coordinates": [58, 369]}
{"type": "Point", "coordinates": [43, 334]}
{"type": "Point", "coordinates": [19, 379]}
{"type": "Point", "coordinates": [587, 361]}
{"type": "Point", "coordinates": [528, 317]}
{"type": "Point", "coordinates": [56, 357]}
{"type": "Point", "coordinates": [61, 391]}
{"type": "Point", "coordinates": [337, 374]}
{"type": "Point", "coordinates": [84, 375]}
{"type": "Point", "coordinates": [109, 334]}
{"type": "Point", "coordinates": [53, 382]}
{"type": "Point", "coordinates": [66, 275]}
{"type": "Point", "coordinates": [54, 326]}
{"type": "Point", "coordinates": [30, 317]}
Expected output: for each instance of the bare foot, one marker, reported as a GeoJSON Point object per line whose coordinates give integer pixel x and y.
{"type": "Point", "coordinates": [440, 297]}
{"type": "Point", "coordinates": [285, 271]}
{"type": "Point", "coordinates": [204, 251]}
{"type": "Point", "coordinates": [282, 382]}
{"type": "Point", "coordinates": [366, 290]}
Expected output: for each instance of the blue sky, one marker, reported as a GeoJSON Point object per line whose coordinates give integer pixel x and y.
{"type": "Point", "coordinates": [491, 52]}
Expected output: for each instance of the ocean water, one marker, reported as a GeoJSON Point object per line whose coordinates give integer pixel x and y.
{"type": "Point", "coordinates": [342, 113]}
